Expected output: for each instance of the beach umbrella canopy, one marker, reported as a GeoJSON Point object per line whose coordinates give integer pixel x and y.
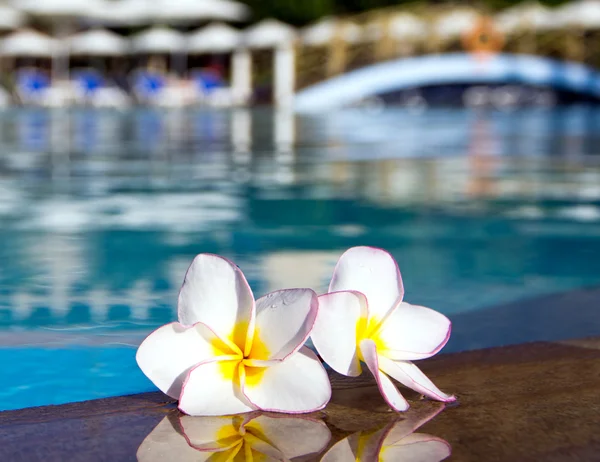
{"type": "Point", "coordinates": [98, 42]}
{"type": "Point", "coordinates": [527, 16]}
{"type": "Point", "coordinates": [407, 26]}
{"type": "Point", "coordinates": [28, 43]}
{"type": "Point", "coordinates": [56, 10]}
{"type": "Point", "coordinates": [159, 40]}
{"type": "Point", "coordinates": [269, 33]}
{"type": "Point", "coordinates": [323, 32]}
{"type": "Point", "coordinates": [583, 13]}
{"type": "Point", "coordinates": [11, 18]}
{"type": "Point", "coordinates": [214, 38]}
{"type": "Point", "coordinates": [455, 23]}
{"type": "Point", "coordinates": [168, 11]}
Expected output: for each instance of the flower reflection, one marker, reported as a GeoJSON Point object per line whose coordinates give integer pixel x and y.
{"type": "Point", "coordinates": [248, 437]}
{"type": "Point", "coordinates": [394, 442]}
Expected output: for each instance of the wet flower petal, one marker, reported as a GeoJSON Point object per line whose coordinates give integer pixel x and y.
{"type": "Point", "coordinates": [387, 388]}
{"type": "Point", "coordinates": [168, 353]}
{"type": "Point", "coordinates": [341, 316]}
{"type": "Point", "coordinates": [216, 293]}
{"type": "Point", "coordinates": [413, 332]}
{"type": "Point", "coordinates": [213, 388]}
{"type": "Point", "coordinates": [374, 273]}
{"type": "Point", "coordinates": [293, 436]}
{"type": "Point", "coordinates": [411, 376]}
{"type": "Point", "coordinates": [284, 320]}
{"type": "Point", "coordinates": [417, 447]}
{"type": "Point", "coordinates": [298, 384]}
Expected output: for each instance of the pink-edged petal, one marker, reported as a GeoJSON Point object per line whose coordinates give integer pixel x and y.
{"type": "Point", "coordinates": [342, 315]}
{"type": "Point", "coordinates": [413, 332]}
{"type": "Point", "coordinates": [387, 388]}
{"type": "Point", "coordinates": [216, 293]}
{"type": "Point", "coordinates": [167, 443]}
{"type": "Point", "coordinates": [343, 451]}
{"type": "Point", "coordinates": [417, 447]}
{"type": "Point", "coordinates": [293, 436]}
{"type": "Point", "coordinates": [212, 389]}
{"type": "Point", "coordinates": [284, 320]}
{"type": "Point", "coordinates": [374, 273]}
{"type": "Point", "coordinates": [411, 376]}
{"type": "Point", "coordinates": [362, 446]}
{"type": "Point", "coordinates": [297, 385]}
{"type": "Point", "coordinates": [414, 419]}
{"type": "Point", "coordinates": [258, 445]}
{"type": "Point", "coordinates": [168, 353]}
{"type": "Point", "coordinates": [213, 434]}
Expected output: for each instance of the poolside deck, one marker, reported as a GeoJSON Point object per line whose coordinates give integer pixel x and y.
{"type": "Point", "coordinates": [538, 401]}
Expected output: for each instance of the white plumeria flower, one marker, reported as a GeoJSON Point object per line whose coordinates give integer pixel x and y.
{"type": "Point", "coordinates": [229, 354]}
{"type": "Point", "coordinates": [363, 318]}
{"type": "Point", "coordinates": [394, 442]}
{"type": "Point", "coordinates": [249, 437]}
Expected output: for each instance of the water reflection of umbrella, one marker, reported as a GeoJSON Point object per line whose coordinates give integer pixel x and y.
{"type": "Point", "coordinates": [98, 42]}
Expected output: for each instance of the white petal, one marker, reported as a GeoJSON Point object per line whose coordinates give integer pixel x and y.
{"type": "Point", "coordinates": [417, 447]}
{"type": "Point", "coordinates": [298, 384]}
{"type": "Point", "coordinates": [214, 434]}
{"type": "Point", "coordinates": [373, 272]}
{"type": "Point", "coordinates": [166, 443]}
{"type": "Point", "coordinates": [168, 353]}
{"type": "Point", "coordinates": [293, 436]}
{"type": "Point", "coordinates": [216, 293]}
{"type": "Point", "coordinates": [344, 451]}
{"type": "Point", "coordinates": [213, 388]}
{"type": "Point", "coordinates": [362, 446]}
{"type": "Point", "coordinates": [341, 316]}
{"type": "Point", "coordinates": [414, 419]}
{"type": "Point", "coordinates": [411, 376]}
{"type": "Point", "coordinates": [284, 320]}
{"type": "Point", "coordinates": [413, 332]}
{"type": "Point", "coordinates": [386, 386]}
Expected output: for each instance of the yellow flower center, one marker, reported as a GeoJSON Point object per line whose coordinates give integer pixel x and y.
{"type": "Point", "coordinates": [235, 365]}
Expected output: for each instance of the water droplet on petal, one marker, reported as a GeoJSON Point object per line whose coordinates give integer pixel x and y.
{"type": "Point", "coordinates": [273, 306]}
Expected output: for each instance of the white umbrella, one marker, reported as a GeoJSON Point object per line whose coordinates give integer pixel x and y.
{"type": "Point", "coordinates": [215, 38]}
{"type": "Point", "coordinates": [527, 16]}
{"type": "Point", "coordinates": [323, 32]}
{"type": "Point", "coordinates": [159, 40]}
{"type": "Point", "coordinates": [98, 42]}
{"type": "Point", "coordinates": [61, 13]}
{"type": "Point", "coordinates": [10, 18]}
{"type": "Point", "coordinates": [407, 26]}
{"type": "Point", "coordinates": [269, 33]}
{"type": "Point", "coordinates": [28, 43]}
{"type": "Point", "coordinates": [169, 11]}
{"type": "Point", "coordinates": [455, 23]}
{"type": "Point", "coordinates": [582, 13]}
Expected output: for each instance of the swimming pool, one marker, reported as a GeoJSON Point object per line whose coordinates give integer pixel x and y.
{"type": "Point", "coordinates": [492, 216]}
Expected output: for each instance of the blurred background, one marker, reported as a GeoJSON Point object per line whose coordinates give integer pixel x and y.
{"type": "Point", "coordinates": [134, 134]}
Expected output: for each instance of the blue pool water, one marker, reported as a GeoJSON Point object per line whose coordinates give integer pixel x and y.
{"type": "Point", "coordinates": [494, 218]}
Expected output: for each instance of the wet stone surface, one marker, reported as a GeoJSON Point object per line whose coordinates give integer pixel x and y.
{"type": "Point", "coordinates": [530, 402]}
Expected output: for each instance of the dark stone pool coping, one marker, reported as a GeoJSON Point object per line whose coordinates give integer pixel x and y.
{"type": "Point", "coordinates": [530, 402]}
